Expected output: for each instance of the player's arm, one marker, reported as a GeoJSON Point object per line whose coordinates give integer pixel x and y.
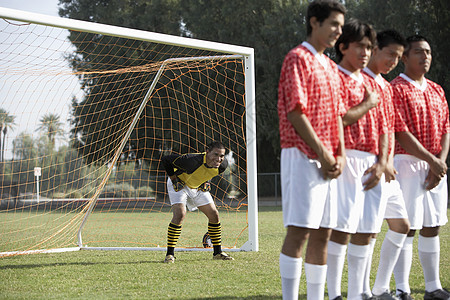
{"type": "Point", "coordinates": [305, 130]}
{"type": "Point", "coordinates": [432, 179]}
{"type": "Point", "coordinates": [168, 164]}
{"type": "Point", "coordinates": [340, 157]}
{"type": "Point", "coordinates": [411, 145]}
{"type": "Point", "coordinates": [358, 111]}
{"type": "Point", "coordinates": [390, 170]}
{"type": "Point", "coordinates": [376, 170]}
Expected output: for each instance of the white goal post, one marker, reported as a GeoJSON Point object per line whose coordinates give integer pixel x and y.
{"type": "Point", "coordinates": [220, 52]}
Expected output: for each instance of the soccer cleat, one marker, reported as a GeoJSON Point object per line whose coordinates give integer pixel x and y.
{"type": "Point", "coordinates": [384, 296]}
{"type": "Point", "coordinates": [338, 298]}
{"type": "Point", "coordinates": [222, 256]}
{"type": "Point", "coordinates": [441, 294]}
{"type": "Point", "coordinates": [404, 295]}
{"type": "Point", "coordinates": [170, 259]}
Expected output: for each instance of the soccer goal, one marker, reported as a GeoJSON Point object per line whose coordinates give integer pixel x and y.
{"type": "Point", "coordinates": [87, 111]}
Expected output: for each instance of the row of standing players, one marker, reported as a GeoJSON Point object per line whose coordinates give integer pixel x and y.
{"type": "Point", "coordinates": [360, 150]}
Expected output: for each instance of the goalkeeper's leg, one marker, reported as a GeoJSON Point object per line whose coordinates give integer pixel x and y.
{"type": "Point", "coordinates": [174, 230]}
{"type": "Point", "coordinates": [214, 230]}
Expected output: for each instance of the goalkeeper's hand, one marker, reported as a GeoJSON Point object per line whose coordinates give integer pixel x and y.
{"type": "Point", "coordinates": [177, 183]}
{"type": "Point", "coordinates": [205, 187]}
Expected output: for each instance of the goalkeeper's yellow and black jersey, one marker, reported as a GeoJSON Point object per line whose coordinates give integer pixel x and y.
{"type": "Point", "coordinates": [191, 168]}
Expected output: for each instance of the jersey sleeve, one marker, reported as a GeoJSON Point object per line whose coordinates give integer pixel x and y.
{"type": "Point", "coordinates": [400, 110]}
{"type": "Point", "coordinates": [294, 83]}
{"type": "Point", "coordinates": [167, 162]}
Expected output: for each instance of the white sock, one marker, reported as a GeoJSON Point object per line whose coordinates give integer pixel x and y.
{"type": "Point", "coordinates": [335, 267]}
{"type": "Point", "coordinates": [315, 281]}
{"type": "Point", "coordinates": [366, 283]}
{"type": "Point", "coordinates": [357, 260]}
{"type": "Point", "coordinates": [402, 268]}
{"type": "Point", "coordinates": [290, 271]}
{"type": "Point", "coordinates": [429, 250]}
{"type": "Point", "coordinates": [390, 250]}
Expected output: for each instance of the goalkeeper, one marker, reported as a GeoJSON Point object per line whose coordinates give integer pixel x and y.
{"type": "Point", "coordinates": [188, 185]}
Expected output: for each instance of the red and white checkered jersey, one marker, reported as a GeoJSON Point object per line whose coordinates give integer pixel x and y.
{"type": "Point", "coordinates": [381, 86]}
{"type": "Point", "coordinates": [421, 110]}
{"type": "Point", "coordinates": [311, 81]}
{"type": "Point", "coordinates": [363, 135]}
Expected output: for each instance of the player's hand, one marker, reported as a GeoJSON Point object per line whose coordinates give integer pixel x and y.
{"type": "Point", "coordinates": [376, 172]}
{"type": "Point", "coordinates": [438, 167]}
{"type": "Point", "coordinates": [390, 172]}
{"type": "Point", "coordinates": [177, 183]}
{"type": "Point", "coordinates": [432, 181]}
{"type": "Point", "coordinates": [338, 167]}
{"type": "Point", "coordinates": [371, 98]}
{"type": "Point", "coordinates": [205, 187]}
{"type": "Point", "coordinates": [327, 164]}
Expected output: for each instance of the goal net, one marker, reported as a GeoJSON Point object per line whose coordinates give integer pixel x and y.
{"type": "Point", "coordinates": [86, 113]}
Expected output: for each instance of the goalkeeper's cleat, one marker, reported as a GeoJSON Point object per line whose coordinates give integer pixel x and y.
{"type": "Point", "coordinates": [170, 259]}
{"type": "Point", "coordinates": [222, 256]}
{"type": "Point", "coordinates": [205, 187]}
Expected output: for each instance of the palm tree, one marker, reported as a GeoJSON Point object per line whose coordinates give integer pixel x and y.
{"type": "Point", "coordinates": [6, 121]}
{"type": "Point", "coordinates": [51, 125]}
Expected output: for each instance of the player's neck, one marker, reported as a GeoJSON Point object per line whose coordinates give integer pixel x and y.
{"type": "Point", "coordinates": [346, 65]}
{"type": "Point", "coordinates": [316, 44]}
{"type": "Point", "coordinates": [372, 66]}
{"type": "Point", "coordinates": [419, 78]}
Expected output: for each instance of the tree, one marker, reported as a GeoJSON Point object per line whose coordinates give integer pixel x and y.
{"type": "Point", "coordinates": [52, 127]}
{"type": "Point", "coordinates": [6, 121]}
{"type": "Point", "coordinates": [271, 27]}
{"type": "Point", "coordinates": [430, 18]}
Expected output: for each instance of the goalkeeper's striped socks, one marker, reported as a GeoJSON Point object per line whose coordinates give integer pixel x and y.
{"type": "Point", "coordinates": [173, 233]}
{"type": "Point", "coordinates": [215, 232]}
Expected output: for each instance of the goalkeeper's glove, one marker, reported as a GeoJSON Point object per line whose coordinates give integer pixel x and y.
{"type": "Point", "coordinates": [178, 184]}
{"type": "Point", "coordinates": [205, 187]}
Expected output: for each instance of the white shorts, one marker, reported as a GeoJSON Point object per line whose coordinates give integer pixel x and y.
{"type": "Point", "coordinates": [308, 200]}
{"type": "Point", "coordinates": [395, 206]}
{"type": "Point", "coordinates": [351, 194]}
{"type": "Point", "coordinates": [425, 208]}
{"type": "Point", "coordinates": [192, 198]}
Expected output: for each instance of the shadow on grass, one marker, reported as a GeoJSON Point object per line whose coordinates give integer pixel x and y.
{"type": "Point", "coordinates": [44, 265]}
{"type": "Point", "coordinates": [260, 297]}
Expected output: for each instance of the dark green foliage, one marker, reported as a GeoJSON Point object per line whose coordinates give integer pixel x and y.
{"type": "Point", "coordinates": [271, 27]}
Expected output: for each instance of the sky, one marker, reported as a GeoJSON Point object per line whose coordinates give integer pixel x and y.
{"type": "Point", "coordinates": [53, 86]}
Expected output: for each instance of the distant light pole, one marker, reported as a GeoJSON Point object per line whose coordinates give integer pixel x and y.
{"type": "Point", "coordinates": [37, 173]}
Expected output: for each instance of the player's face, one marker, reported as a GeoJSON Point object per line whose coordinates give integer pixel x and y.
{"type": "Point", "coordinates": [329, 30]}
{"type": "Point", "coordinates": [357, 54]}
{"type": "Point", "coordinates": [388, 57]}
{"type": "Point", "coordinates": [215, 157]}
{"type": "Point", "coordinates": [418, 58]}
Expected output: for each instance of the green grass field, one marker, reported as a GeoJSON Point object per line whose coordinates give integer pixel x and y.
{"type": "Point", "coordinates": [142, 275]}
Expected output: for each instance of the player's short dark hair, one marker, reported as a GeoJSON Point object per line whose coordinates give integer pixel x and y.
{"type": "Point", "coordinates": [215, 145]}
{"type": "Point", "coordinates": [322, 9]}
{"type": "Point", "coordinates": [412, 39]}
{"type": "Point", "coordinates": [388, 37]}
{"type": "Point", "coordinates": [354, 31]}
